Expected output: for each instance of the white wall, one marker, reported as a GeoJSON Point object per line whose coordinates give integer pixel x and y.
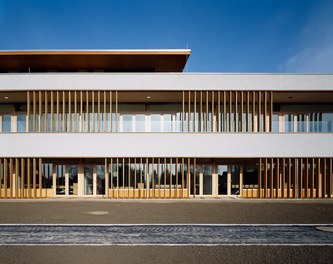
{"type": "Point", "coordinates": [165, 81]}
{"type": "Point", "coordinates": [166, 145]}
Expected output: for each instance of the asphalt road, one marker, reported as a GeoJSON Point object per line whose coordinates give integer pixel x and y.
{"type": "Point", "coordinates": [88, 211]}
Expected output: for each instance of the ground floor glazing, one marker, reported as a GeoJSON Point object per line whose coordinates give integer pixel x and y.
{"type": "Point", "coordinates": [166, 177]}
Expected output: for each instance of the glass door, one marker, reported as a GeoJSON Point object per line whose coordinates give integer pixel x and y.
{"type": "Point", "coordinates": [72, 180]}
{"type": "Point", "coordinates": [222, 179]}
{"type": "Point", "coordinates": [88, 180]}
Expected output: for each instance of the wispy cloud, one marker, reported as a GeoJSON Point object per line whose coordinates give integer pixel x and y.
{"type": "Point", "coordinates": [314, 52]}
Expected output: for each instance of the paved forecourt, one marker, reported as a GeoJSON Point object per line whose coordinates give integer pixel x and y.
{"type": "Point", "coordinates": [167, 235]}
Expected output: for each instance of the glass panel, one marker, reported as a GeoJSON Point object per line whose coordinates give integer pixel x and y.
{"type": "Point", "coordinates": [140, 123]}
{"type": "Point", "coordinates": [223, 179]}
{"type": "Point", "coordinates": [207, 179]}
{"type": "Point", "coordinates": [100, 180]}
{"type": "Point", "coordinates": [167, 123]}
{"type": "Point", "coordinates": [47, 176]}
{"type": "Point", "coordinates": [72, 177]}
{"type": "Point", "coordinates": [6, 123]}
{"type": "Point", "coordinates": [289, 123]}
{"type": "Point", "coordinates": [88, 179]}
{"type": "Point", "coordinates": [60, 179]}
{"type": "Point", "coordinates": [327, 123]}
{"type": "Point", "coordinates": [250, 176]}
{"type": "Point", "coordinates": [21, 123]}
{"type": "Point", "coordinates": [156, 123]}
{"type": "Point", "coordinates": [235, 171]}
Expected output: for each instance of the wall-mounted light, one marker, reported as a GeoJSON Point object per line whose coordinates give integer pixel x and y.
{"type": "Point", "coordinates": [148, 97]}
{"type": "Point", "coordinates": [290, 97]}
{"type": "Point", "coordinates": [6, 97]}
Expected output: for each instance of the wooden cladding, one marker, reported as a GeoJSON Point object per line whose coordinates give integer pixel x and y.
{"type": "Point", "coordinates": [199, 111]}
{"type": "Point", "coordinates": [227, 111]}
{"type": "Point", "coordinates": [295, 178]}
{"type": "Point", "coordinates": [72, 111]}
{"type": "Point", "coordinates": [148, 177]}
{"type": "Point", "coordinates": [22, 178]}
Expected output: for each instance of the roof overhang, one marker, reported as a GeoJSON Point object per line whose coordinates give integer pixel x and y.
{"type": "Point", "coordinates": [94, 60]}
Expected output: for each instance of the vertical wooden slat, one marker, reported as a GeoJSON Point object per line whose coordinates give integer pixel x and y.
{"type": "Point", "coordinates": [253, 110]}
{"type": "Point", "coordinates": [259, 113]}
{"type": "Point", "coordinates": [183, 115]}
{"type": "Point", "coordinates": [69, 119]}
{"type": "Point", "coordinates": [52, 113]}
{"type": "Point", "coordinates": [123, 178]}
{"type": "Point", "coordinates": [5, 176]}
{"type": "Point", "coordinates": [1, 178]}
{"type": "Point", "coordinates": [289, 177]}
{"type": "Point", "coordinates": [159, 177]}
{"type": "Point", "coordinates": [28, 111]}
{"type": "Point", "coordinates": [86, 129]}
{"type": "Point", "coordinates": [16, 177]}
{"type": "Point", "coordinates": [318, 191]}
{"type": "Point", "coordinates": [111, 178]}
{"type": "Point", "coordinates": [271, 179]}
{"type": "Point", "coordinates": [271, 112]}
{"type": "Point", "coordinates": [117, 111]}
{"type": "Point", "coordinates": [312, 178]}
{"type": "Point", "coordinates": [63, 111]}
{"type": "Point", "coordinates": [11, 177]}
{"type": "Point", "coordinates": [306, 178]}
{"type": "Point", "coordinates": [300, 177]}
{"type": "Point", "coordinates": [294, 177]}
{"type": "Point", "coordinates": [165, 170]}
{"type": "Point", "coordinates": [189, 112]}
{"type": "Point", "coordinates": [34, 177]}
{"type": "Point", "coordinates": [323, 185]}
{"type": "Point", "coordinates": [230, 111]}
{"type": "Point", "coordinates": [330, 192]}
{"type": "Point", "coordinates": [247, 110]}
{"type": "Point", "coordinates": [81, 111]}
{"type": "Point", "coordinates": [22, 178]}
{"type": "Point", "coordinates": [183, 168]}
{"type": "Point", "coordinates": [259, 178]}
{"type": "Point", "coordinates": [34, 111]}
{"type": "Point", "coordinates": [224, 112]}
{"type": "Point", "coordinates": [176, 178]}
{"type": "Point", "coordinates": [194, 177]}
{"type": "Point", "coordinates": [98, 111]}
{"type": "Point", "coordinates": [92, 129]}
{"type": "Point", "coordinates": [213, 128]}
{"type": "Point", "coordinates": [129, 178]}
{"type": "Point", "coordinates": [75, 112]}
{"type": "Point", "coordinates": [104, 119]}
{"type": "Point", "coordinates": [207, 114]}
{"type": "Point", "coordinates": [170, 179]}
{"type": "Point", "coordinates": [147, 179]}
{"type": "Point", "coordinates": [46, 110]}
{"type": "Point", "coordinates": [40, 174]}
{"type": "Point", "coordinates": [265, 178]}
{"type": "Point", "coordinates": [236, 114]}
{"type": "Point", "coordinates": [117, 168]}
{"type": "Point", "coordinates": [265, 111]}
{"type": "Point", "coordinates": [241, 111]}
{"type": "Point", "coordinates": [277, 179]}
{"type": "Point", "coordinates": [111, 111]}
{"type": "Point", "coordinates": [57, 122]}
{"type": "Point", "coordinates": [218, 111]}
{"type": "Point", "coordinates": [195, 112]}
{"type": "Point", "coordinates": [283, 177]}
{"type": "Point", "coordinates": [29, 177]}
{"type": "Point", "coordinates": [40, 120]}
{"type": "Point", "coordinates": [201, 114]}
{"type": "Point", "coordinates": [106, 177]}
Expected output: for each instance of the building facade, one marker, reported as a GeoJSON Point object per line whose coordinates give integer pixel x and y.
{"type": "Point", "coordinates": [132, 124]}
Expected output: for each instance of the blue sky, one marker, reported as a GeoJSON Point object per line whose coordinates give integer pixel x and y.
{"type": "Point", "coordinates": [224, 36]}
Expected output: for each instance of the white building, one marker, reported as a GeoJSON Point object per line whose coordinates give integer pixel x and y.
{"type": "Point", "coordinates": [131, 124]}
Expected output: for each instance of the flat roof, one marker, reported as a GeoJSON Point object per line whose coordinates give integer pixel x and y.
{"type": "Point", "coordinates": [138, 60]}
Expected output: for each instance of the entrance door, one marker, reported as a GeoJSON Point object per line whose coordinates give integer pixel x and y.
{"type": "Point", "coordinates": [222, 179]}
{"type": "Point", "coordinates": [88, 180]}
{"type": "Point", "coordinates": [93, 179]}
{"type": "Point", "coordinates": [66, 179]}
